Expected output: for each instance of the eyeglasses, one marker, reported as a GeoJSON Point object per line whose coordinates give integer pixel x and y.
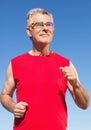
{"type": "Point", "coordinates": [41, 24]}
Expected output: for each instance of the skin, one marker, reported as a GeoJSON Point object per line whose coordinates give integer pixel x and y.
{"type": "Point", "coordinates": [77, 91]}
{"type": "Point", "coordinates": [41, 39]}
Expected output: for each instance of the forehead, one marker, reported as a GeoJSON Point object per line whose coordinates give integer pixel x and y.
{"type": "Point", "coordinates": [41, 17]}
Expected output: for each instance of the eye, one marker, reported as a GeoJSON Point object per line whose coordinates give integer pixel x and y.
{"type": "Point", "coordinates": [39, 24]}
{"type": "Point", "coordinates": [49, 24]}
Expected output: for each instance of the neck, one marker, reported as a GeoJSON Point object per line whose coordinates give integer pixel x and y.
{"type": "Point", "coordinates": [40, 51]}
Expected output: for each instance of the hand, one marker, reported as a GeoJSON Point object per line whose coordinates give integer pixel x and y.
{"type": "Point", "coordinates": [20, 109]}
{"type": "Point", "coordinates": [70, 74]}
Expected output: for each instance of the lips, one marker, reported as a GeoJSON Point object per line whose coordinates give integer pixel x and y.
{"type": "Point", "coordinates": [44, 35]}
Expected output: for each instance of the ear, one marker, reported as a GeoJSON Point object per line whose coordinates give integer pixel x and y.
{"type": "Point", "coordinates": [28, 31]}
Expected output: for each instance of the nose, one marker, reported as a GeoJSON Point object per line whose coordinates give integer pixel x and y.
{"type": "Point", "coordinates": [45, 27]}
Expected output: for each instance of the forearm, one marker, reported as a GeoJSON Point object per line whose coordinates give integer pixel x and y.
{"type": "Point", "coordinates": [7, 102]}
{"type": "Point", "coordinates": [81, 96]}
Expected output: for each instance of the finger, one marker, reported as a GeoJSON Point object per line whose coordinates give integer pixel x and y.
{"type": "Point", "coordinates": [19, 110]}
{"type": "Point", "coordinates": [60, 67]}
{"type": "Point", "coordinates": [19, 113]}
{"type": "Point", "coordinates": [20, 107]}
{"type": "Point", "coordinates": [24, 103]}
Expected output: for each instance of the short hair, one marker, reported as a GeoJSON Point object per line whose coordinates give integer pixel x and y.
{"type": "Point", "coordinates": [34, 11]}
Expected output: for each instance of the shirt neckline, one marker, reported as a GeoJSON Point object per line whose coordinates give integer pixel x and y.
{"type": "Point", "coordinates": [40, 55]}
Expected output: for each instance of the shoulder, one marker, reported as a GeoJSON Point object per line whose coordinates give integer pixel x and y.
{"type": "Point", "coordinates": [19, 56]}
{"type": "Point", "coordinates": [64, 60]}
{"type": "Point", "coordinates": [60, 56]}
{"type": "Point", "coordinates": [19, 59]}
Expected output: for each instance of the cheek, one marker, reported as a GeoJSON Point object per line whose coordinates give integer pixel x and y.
{"type": "Point", "coordinates": [35, 35]}
{"type": "Point", "coordinates": [52, 32]}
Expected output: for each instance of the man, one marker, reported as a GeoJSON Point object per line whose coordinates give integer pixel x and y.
{"type": "Point", "coordinates": [41, 78]}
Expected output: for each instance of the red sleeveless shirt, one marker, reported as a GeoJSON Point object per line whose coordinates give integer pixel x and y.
{"type": "Point", "coordinates": [41, 84]}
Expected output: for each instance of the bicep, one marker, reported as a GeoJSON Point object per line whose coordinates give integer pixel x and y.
{"type": "Point", "coordinates": [9, 85]}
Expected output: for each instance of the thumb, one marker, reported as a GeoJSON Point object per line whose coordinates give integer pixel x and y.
{"type": "Point", "coordinates": [24, 103]}
{"type": "Point", "coordinates": [60, 67]}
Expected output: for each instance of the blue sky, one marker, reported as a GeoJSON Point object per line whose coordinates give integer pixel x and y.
{"type": "Point", "coordinates": [72, 39]}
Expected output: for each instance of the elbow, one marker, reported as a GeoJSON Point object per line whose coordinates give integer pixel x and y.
{"type": "Point", "coordinates": [84, 107]}
{"type": "Point", "coordinates": [1, 98]}
{"type": "Point", "coordinates": [85, 104]}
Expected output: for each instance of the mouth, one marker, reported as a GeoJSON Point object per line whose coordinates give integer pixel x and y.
{"type": "Point", "coordinates": [44, 35]}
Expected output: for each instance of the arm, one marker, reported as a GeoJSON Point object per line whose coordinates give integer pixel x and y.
{"type": "Point", "coordinates": [77, 91]}
{"type": "Point", "coordinates": [18, 109]}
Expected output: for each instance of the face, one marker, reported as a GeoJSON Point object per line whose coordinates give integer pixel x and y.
{"type": "Point", "coordinates": [41, 34]}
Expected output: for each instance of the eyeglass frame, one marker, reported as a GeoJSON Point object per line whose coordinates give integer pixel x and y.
{"type": "Point", "coordinates": [41, 24]}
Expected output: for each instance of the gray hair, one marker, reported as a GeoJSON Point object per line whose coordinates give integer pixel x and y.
{"type": "Point", "coordinates": [34, 11]}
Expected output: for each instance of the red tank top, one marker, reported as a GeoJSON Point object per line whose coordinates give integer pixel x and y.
{"type": "Point", "coordinates": [41, 84]}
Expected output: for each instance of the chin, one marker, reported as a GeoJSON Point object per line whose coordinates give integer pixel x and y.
{"type": "Point", "coordinates": [45, 42]}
